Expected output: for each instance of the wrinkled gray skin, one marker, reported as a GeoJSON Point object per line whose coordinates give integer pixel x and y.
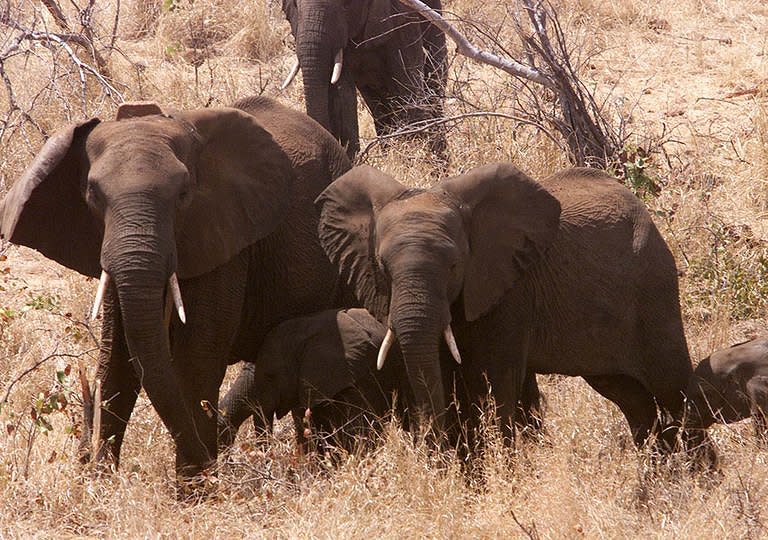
{"type": "Point", "coordinates": [568, 276]}
{"type": "Point", "coordinates": [731, 385]}
{"type": "Point", "coordinates": [326, 363]}
{"type": "Point", "coordinates": [223, 198]}
{"type": "Point", "coordinates": [394, 57]}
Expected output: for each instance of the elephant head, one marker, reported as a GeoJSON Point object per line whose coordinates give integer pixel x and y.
{"type": "Point", "coordinates": [413, 254]}
{"type": "Point", "coordinates": [143, 199]}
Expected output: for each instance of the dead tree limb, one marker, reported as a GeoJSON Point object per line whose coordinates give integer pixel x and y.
{"type": "Point", "coordinates": [589, 138]}
{"type": "Point", "coordinates": [466, 48]}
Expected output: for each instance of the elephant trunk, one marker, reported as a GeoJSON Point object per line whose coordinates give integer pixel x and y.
{"type": "Point", "coordinates": [140, 261]}
{"type": "Point", "coordinates": [419, 325]}
{"type": "Point", "coordinates": [329, 90]}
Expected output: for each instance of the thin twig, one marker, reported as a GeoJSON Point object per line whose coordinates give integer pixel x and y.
{"type": "Point", "coordinates": [39, 363]}
{"type": "Point", "coordinates": [425, 125]}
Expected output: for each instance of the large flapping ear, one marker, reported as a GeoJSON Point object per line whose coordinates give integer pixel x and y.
{"type": "Point", "coordinates": [512, 220]}
{"type": "Point", "coordinates": [348, 208]}
{"type": "Point", "coordinates": [45, 208]}
{"type": "Point", "coordinates": [243, 188]}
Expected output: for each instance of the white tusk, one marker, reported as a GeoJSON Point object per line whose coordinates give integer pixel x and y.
{"type": "Point", "coordinates": [103, 283]}
{"type": "Point", "coordinates": [173, 283]}
{"type": "Point", "coordinates": [451, 341]}
{"type": "Point", "coordinates": [289, 79]}
{"type": "Point", "coordinates": [337, 63]}
{"type": "Point", "coordinates": [389, 339]}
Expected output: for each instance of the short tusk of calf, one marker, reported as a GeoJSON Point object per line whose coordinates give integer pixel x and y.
{"type": "Point", "coordinates": [451, 341]}
{"type": "Point", "coordinates": [173, 283]}
{"type": "Point", "coordinates": [291, 75]}
{"type": "Point", "coordinates": [338, 61]}
{"type": "Point", "coordinates": [385, 346]}
{"type": "Point", "coordinates": [103, 283]}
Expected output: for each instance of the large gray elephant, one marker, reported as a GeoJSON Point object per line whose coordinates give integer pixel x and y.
{"type": "Point", "coordinates": [210, 210]}
{"type": "Point", "coordinates": [568, 276]}
{"type": "Point", "coordinates": [394, 57]}
{"type": "Point", "coordinates": [325, 362]}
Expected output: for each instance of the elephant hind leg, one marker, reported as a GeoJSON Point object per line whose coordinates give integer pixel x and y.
{"type": "Point", "coordinates": [635, 402]}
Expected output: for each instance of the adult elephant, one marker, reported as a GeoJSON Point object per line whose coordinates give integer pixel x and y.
{"type": "Point", "coordinates": [210, 210]}
{"type": "Point", "coordinates": [393, 56]}
{"type": "Point", "coordinates": [567, 276]}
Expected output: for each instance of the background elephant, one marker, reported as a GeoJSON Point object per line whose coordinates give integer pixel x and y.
{"type": "Point", "coordinates": [324, 362]}
{"type": "Point", "coordinates": [394, 57]}
{"type": "Point", "coordinates": [216, 201]}
{"type": "Point", "coordinates": [567, 276]}
{"type": "Point", "coordinates": [731, 385]}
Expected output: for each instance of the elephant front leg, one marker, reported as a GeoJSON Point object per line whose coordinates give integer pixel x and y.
{"type": "Point", "coordinates": [201, 348]}
{"type": "Point", "coordinates": [120, 387]}
{"type": "Point", "coordinates": [238, 405]}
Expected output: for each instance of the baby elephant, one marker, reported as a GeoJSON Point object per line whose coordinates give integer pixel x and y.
{"type": "Point", "coordinates": [730, 385]}
{"type": "Point", "coordinates": [326, 363]}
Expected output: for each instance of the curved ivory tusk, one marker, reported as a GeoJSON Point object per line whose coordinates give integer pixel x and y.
{"type": "Point", "coordinates": [103, 283]}
{"type": "Point", "coordinates": [289, 79]}
{"type": "Point", "coordinates": [173, 283]}
{"type": "Point", "coordinates": [338, 61]}
{"type": "Point", "coordinates": [389, 339]}
{"type": "Point", "coordinates": [451, 341]}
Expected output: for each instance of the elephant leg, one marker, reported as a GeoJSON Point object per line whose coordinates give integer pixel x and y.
{"type": "Point", "coordinates": [530, 413]}
{"type": "Point", "coordinates": [757, 390]}
{"type": "Point", "coordinates": [120, 386]}
{"type": "Point", "coordinates": [237, 405]}
{"type": "Point", "coordinates": [635, 402]}
{"type": "Point", "coordinates": [500, 359]}
{"type": "Point", "coordinates": [201, 347]}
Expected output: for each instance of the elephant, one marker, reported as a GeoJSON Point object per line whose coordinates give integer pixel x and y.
{"type": "Point", "coordinates": [504, 274]}
{"type": "Point", "coordinates": [731, 385]}
{"type": "Point", "coordinates": [208, 210]}
{"type": "Point", "coordinates": [395, 58]}
{"type": "Point", "coordinates": [326, 363]}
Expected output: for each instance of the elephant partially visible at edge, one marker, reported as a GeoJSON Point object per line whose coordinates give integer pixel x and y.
{"type": "Point", "coordinates": [730, 385]}
{"type": "Point", "coordinates": [210, 210]}
{"type": "Point", "coordinates": [326, 363]}
{"type": "Point", "coordinates": [392, 55]}
{"type": "Point", "coordinates": [567, 276]}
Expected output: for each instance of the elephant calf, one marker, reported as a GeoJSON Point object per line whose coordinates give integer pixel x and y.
{"type": "Point", "coordinates": [325, 362]}
{"type": "Point", "coordinates": [731, 385]}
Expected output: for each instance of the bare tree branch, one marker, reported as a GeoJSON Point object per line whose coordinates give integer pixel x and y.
{"type": "Point", "coordinates": [575, 115]}
{"type": "Point", "coordinates": [465, 48]}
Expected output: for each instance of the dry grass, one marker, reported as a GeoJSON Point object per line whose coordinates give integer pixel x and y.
{"type": "Point", "coordinates": [668, 67]}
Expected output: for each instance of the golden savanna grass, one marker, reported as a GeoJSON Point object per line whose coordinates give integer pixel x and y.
{"type": "Point", "coordinates": [688, 77]}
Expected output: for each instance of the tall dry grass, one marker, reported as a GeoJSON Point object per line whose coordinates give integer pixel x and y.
{"type": "Point", "coordinates": [667, 68]}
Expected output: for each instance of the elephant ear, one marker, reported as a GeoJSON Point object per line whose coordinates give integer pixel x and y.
{"type": "Point", "coordinates": [45, 209]}
{"type": "Point", "coordinates": [243, 189]}
{"type": "Point", "coordinates": [348, 208]}
{"type": "Point", "coordinates": [291, 11]}
{"type": "Point", "coordinates": [330, 340]}
{"type": "Point", "coordinates": [511, 221]}
{"type": "Point", "coordinates": [382, 19]}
